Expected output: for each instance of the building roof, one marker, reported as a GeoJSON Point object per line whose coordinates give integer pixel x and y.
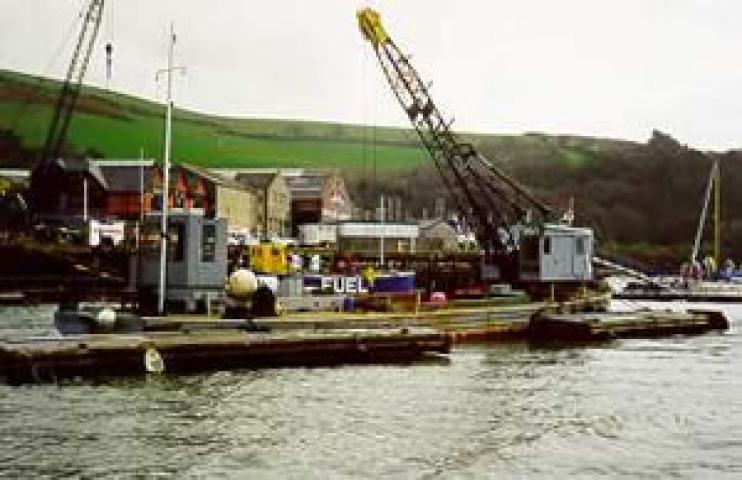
{"type": "Point", "coordinates": [213, 177]}
{"type": "Point", "coordinates": [436, 228]}
{"type": "Point", "coordinates": [302, 183]}
{"type": "Point", "coordinates": [127, 179]}
{"type": "Point", "coordinates": [124, 162]}
{"type": "Point", "coordinates": [15, 173]}
{"type": "Point", "coordinates": [82, 165]}
{"type": "Point", "coordinates": [307, 186]}
{"type": "Point", "coordinates": [256, 180]}
{"type": "Point", "coordinates": [284, 172]}
{"type": "Point", "coordinates": [126, 175]}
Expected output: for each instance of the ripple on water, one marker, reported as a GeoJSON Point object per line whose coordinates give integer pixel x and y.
{"type": "Point", "coordinates": [656, 408]}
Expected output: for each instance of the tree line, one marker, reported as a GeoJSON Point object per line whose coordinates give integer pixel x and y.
{"type": "Point", "coordinates": [642, 200]}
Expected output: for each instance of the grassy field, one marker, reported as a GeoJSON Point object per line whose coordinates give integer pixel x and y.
{"type": "Point", "coordinates": [120, 126]}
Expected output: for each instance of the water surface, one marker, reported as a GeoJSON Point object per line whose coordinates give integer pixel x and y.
{"type": "Point", "coordinates": [660, 408]}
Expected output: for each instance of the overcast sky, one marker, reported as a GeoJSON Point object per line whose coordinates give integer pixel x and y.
{"type": "Point", "coordinates": [611, 68]}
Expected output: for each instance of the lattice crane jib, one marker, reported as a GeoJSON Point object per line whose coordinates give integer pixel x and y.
{"type": "Point", "coordinates": [70, 89]}
{"type": "Point", "coordinates": [66, 100]}
{"type": "Point", "coordinates": [491, 202]}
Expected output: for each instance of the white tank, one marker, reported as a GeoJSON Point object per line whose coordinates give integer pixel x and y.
{"type": "Point", "coordinates": [106, 318]}
{"type": "Point", "coordinates": [242, 284]}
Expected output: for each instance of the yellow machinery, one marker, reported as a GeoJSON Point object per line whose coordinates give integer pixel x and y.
{"type": "Point", "coordinates": [371, 27]}
{"type": "Point", "coordinates": [269, 258]}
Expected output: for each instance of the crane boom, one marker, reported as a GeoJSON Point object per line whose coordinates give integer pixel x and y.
{"type": "Point", "coordinates": [41, 179]}
{"type": "Point", "coordinates": [70, 89]}
{"type": "Point", "coordinates": [490, 201]}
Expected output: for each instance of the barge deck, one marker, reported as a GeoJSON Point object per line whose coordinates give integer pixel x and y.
{"type": "Point", "coordinates": [184, 344]}
{"type": "Point", "coordinates": [87, 356]}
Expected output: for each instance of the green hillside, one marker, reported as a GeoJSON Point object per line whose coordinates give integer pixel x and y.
{"type": "Point", "coordinates": [642, 199]}
{"type": "Point", "coordinates": [115, 125]}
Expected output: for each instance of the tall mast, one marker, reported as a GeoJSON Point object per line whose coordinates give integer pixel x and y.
{"type": "Point", "coordinates": [712, 187]}
{"type": "Point", "coordinates": [717, 214]}
{"type": "Point", "coordinates": [166, 169]}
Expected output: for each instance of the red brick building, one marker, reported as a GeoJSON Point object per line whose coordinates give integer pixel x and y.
{"type": "Point", "coordinates": [119, 189]}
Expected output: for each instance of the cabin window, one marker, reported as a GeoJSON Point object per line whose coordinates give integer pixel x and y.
{"type": "Point", "coordinates": [149, 241]}
{"type": "Point", "coordinates": [176, 242]}
{"type": "Point", "coordinates": [208, 243]}
{"type": "Point", "coordinates": [580, 245]}
{"type": "Point", "coordinates": [547, 245]}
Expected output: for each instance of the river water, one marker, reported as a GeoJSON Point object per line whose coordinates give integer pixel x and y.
{"type": "Point", "coordinates": [659, 408]}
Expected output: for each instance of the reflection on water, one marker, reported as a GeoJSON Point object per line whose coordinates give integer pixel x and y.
{"type": "Point", "coordinates": [655, 408]}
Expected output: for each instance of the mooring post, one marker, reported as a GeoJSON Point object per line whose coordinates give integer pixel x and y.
{"type": "Point", "coordinates": [418, 295]}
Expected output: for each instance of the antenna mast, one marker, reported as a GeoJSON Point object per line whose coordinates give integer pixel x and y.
{"type": "Point", "coordinates": [166, 167]}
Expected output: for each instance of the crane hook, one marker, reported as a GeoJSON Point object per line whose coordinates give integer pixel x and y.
{"type": "Point", "coordinates": [109, 60]}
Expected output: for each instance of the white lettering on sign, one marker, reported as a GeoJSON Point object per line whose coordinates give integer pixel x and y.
{"type": "Point", "coordinates": [343, 284]}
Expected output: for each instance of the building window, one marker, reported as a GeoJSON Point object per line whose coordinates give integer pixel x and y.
{"type": "Point", "coordinates": [208, 243]}
{"type": "Point", "coordinates": [156, 202]}
{"type": "Point", "coordinates": [198, 200]}
{"type": "Point", "coordinates": [547, 245]}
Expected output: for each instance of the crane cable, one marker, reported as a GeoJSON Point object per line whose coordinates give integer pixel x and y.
{"type": "Point", "coordinates": [36, 87]}
{"type": "Point", "coordinates": [364, 60]}
{"type": "Point", "coordinates": [370, 138]}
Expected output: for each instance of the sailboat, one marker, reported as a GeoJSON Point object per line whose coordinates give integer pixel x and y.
{"type": "Point", "coordinates": [702, 278]}
{"type": "Point", "coordinates": [708, 265]}
{"type": "Point", "coordinates": [710, 274]}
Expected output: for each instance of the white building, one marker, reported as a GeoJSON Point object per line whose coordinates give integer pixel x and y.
{"type": "Point", "coordinates": [362, 237]}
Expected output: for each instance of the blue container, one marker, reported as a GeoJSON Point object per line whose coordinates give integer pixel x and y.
{"type": "Point", "coordinates": [403, 282]}
{"type": "Point", "coordinates": [349, 304]}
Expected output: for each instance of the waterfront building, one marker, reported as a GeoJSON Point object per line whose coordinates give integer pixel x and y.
{"type": "Point", "coordinates": [90, 188]}
{"type": "Point", "coordinates": [373, 237]}
{"type": "Point", "coordinates": [273, 202]}
{"type": "Point", "coordinates": [366, 238]}
{"type": "Point", "coordinates": [127, 182]}
{"type": "Point", "coordinates": [128, 189]}
{"type": "Point", "coordinates": [13, 178]}
{"type": "Point", "coordinates": [316, 196]}
{"type": "Point", "coordinates": [437, 235]}
{"type": "Point", "coordinates": [72, 187]}
{"type": "Point", "coordinates": [219, 196]}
